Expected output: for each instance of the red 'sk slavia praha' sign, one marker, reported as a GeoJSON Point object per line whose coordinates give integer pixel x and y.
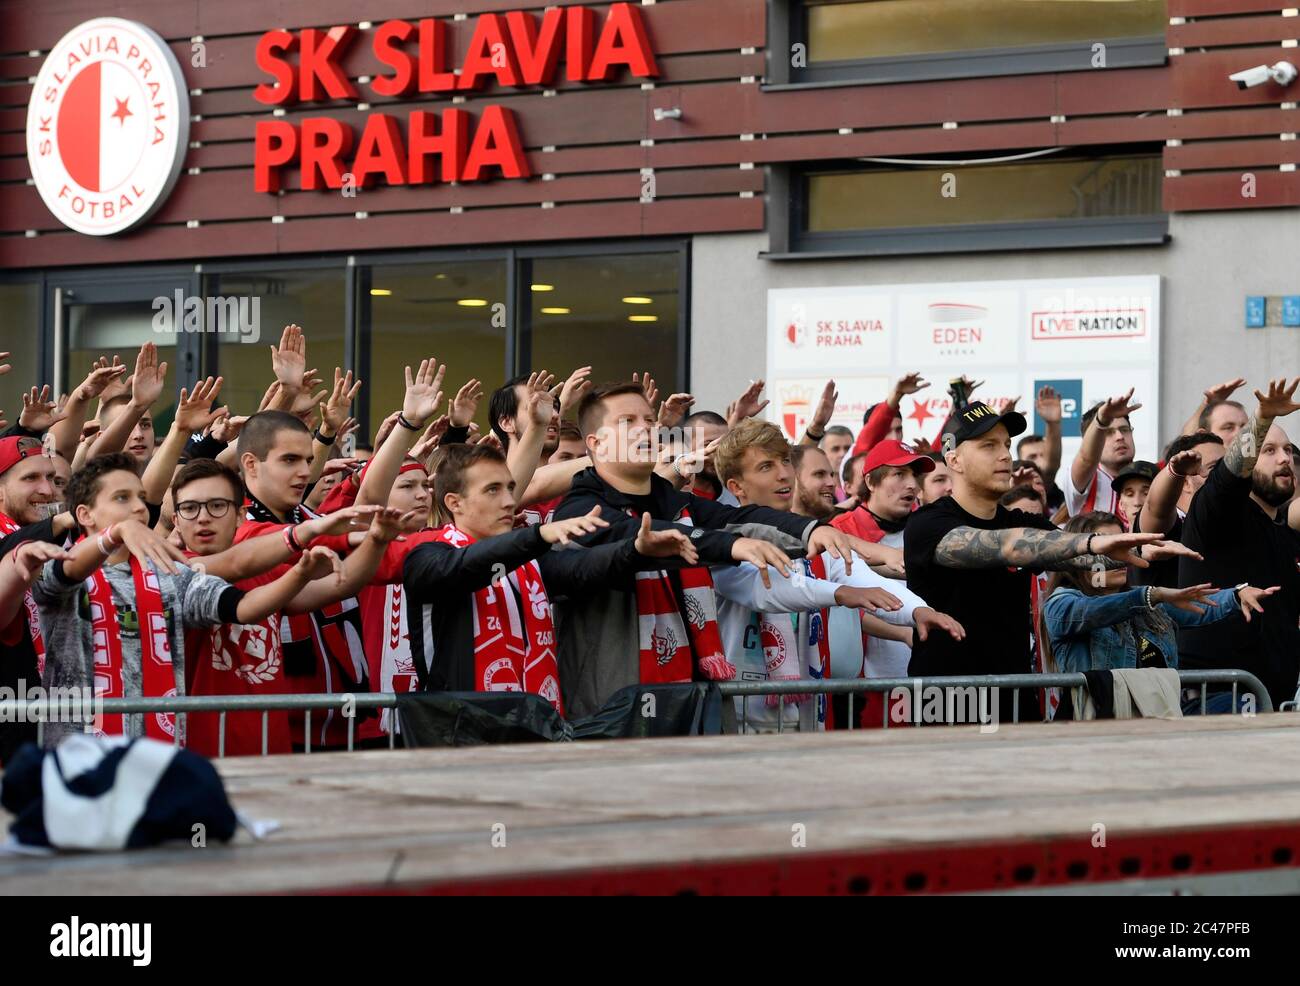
{"type": "Point", "coordinates": [108, 122]}
{"type": "Point", "coordinates": [516, 49]}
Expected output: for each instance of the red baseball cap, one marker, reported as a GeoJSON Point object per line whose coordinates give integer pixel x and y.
{"type": "Point", "coordinates": [14, 449]}
{"type": "Point", "coordinates": [892, 453]}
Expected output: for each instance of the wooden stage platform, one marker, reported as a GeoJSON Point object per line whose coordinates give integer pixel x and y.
{"type": "Point", "coordinates": [900, 811]}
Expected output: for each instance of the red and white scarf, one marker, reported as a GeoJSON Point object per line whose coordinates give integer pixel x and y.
{"type": "Point", "coordinates": [669, 647]}
{"type": "Point", "coordinates": [157, 673]}
{"type": "Point", "coordinates": [388, 646]}
{"type": "Point", "coordinates": [514, 645]}
{"type": "Point", "coordinates": [7, 526]}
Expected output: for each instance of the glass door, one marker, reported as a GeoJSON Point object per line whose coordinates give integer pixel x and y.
{"type": "Point", "coordinates": [105, 315]}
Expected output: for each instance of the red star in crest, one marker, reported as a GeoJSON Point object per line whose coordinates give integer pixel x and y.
{"type": "Point", "coordinates": [920, 411]}
{"type": "Point", "coordinates": [122, 112]}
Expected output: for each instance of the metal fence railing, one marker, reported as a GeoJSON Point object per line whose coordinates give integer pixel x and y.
{"type": "Point", "coordinates": [75, 708]}
{"type": "Point", "coordinates": [1015, 683]}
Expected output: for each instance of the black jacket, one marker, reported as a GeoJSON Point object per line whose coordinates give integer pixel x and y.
{"type": "Point", "coordinates": [599, 631]}
{"type": "Point", "coordinates": [709, 519]}
{"type": "Point", "coordinates": [440, 580]}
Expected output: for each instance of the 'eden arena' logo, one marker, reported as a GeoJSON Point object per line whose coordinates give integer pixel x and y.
{"type": "Point", "coordinates": [108, 126]}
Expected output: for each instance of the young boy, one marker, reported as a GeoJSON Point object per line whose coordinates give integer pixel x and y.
{"type": "Point", "coordinates": [247, 658]}
{"type": "Point", "coordinates": [115, 609]}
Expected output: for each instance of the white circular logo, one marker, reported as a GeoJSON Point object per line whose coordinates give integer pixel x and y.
{"type": "Point", "coordinates": [108, 126]}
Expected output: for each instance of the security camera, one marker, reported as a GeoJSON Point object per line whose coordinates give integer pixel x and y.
{"type": "Point", "coordinates": [1283, 73]}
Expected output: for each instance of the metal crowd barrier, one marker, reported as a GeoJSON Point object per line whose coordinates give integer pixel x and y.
{"type": "Point", "coordinates": [1012, 682]}
{"type": "Point", "coordinates": [70, 708]}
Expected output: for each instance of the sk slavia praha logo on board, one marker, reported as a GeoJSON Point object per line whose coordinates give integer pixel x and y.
{"type": "Point", "coordinates": [108, 126]}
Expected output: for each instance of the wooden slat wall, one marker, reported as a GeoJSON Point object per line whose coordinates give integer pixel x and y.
{"type": "Point", "coordinates": [589, 139]}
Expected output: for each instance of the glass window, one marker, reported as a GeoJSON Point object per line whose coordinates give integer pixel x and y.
{"type": "Point", "coordinates": [454, 311]}
{"type": "Point", "coordinates": [21, 304]}
{"type": "Point", "coordinates": [618, 313]}
{"type": "Point", "coordinates": [312, 298]}
{"type": "Point", "coordinates": [1050, 188]}
{"type": "Point", "coordinates": [857, 41]}
{"type": "Point", "coordinates": [890, 28]}
{"type": "Point", "coordinates": [119, 328]}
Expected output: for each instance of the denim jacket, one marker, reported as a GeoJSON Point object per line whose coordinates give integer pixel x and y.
{"type": "Point", "coordinates": [1095, 633]}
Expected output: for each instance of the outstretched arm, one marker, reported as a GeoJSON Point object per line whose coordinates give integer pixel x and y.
{"type": "Point", "coordinates": [1030, 547]}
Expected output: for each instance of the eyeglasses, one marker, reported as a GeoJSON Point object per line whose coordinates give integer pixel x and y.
{"type": "Point", "coordinates": [189, 509]}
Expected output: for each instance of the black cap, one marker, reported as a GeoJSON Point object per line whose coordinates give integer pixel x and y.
{"type": "Point", "coordinates": [1137, 469]}
{"type": "Point", "coordinates": [977, 417]}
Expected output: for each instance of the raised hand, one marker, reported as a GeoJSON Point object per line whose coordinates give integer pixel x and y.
{"type": "Point", "coordinates": [431, 438]}
{"type": "Point", "coordinates": [1221, 392]}
{"type": "Point", "coordinates": [102, 374]}
{"type": "Point", "coordinates": [692, 463]}
{"type": "Point", "coordinates": [385, 426]}
{"type": "Point", "coordinates": [1112, 410]}
{"type": "Point", "coordinates": [1184, 464]}
{"type": "Point", "coordinates": [1249, 598]}
{"type": "Point", "coordinates": [1048, 405]}
{"type": "Point", "coordinates": [423, 392]}
{"type": "Point", "coordinates": [909, 383]}
{"type": "Point", "coordinates": [39, 412]}
{"type": "Point", "coordinates": [747, 404]}
{"type": "Point", "coordinates": [562, 531]}
{"type": "Point", "coordinates": [306, 400]}
{"type": "Point", "coordinates": [147, 381]}
{"type": "Point", "coordinates": [825, 408]}
{"type": "Point", "coordinates": [1191, 598]}
{"type": "Point", "coordinates": [388, 524]}
{"type": "Point", "coordinates": [31, 556]}
{"type": "Point", "coordinates": [674, 409]}
{"type": "Point", "coordinates": [573, 389]}
{"type": "Point", "coordinates": [318, 562]}
{"type": "Point", "coordinates": [1024, 476]}
{"type": "Point", "coordinates": [1278, 402]}
{"type": "Point", "coordinates": [4, 367]}
{"type": "Point", "coordinates": [116, 385]}
{"type": "Point", "coordinates": [335, 411]}
{"type": "Point", "coordinates": [343, 521]}
{"type": "Point", "coordinates": [1120, 547]}
{"type": "Point", "coordinates": [839, 544]}
{"type": "Point", "coordinates": [858, 597]}
{"type": "Point", "coordinates": [761, 554]}
{"type": "Point", "coordinates": [648, 386]}
{"type": "Point", "coordinates": [226, 427]}
{"type": "Point", "coordinates": [539, 408]}
{"type": "Point", "coordinates": [289, 359]}
{"type": "Point", "coordinates": [540, 380]}
{"type": "Point", "coordinates": [664, 544]}
{"type": "Point", "coordinates": [147, 546]}
{"type": "Point", "coordinates": [194, 412]}
{"type": "Point", "coordinates": [462, 408]}
{"type": "Point", "coordinates": [1162, 550]}
{"type": "Point", "coordinates": [928, 620]}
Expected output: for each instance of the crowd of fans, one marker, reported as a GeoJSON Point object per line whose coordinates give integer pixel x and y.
{"type": "Point", "coordinates": [596, 537]}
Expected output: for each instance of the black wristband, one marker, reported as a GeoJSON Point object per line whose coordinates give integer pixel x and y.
{"type": "Point", "coordinates": [321, 438]}
{"type": "Point", "coordinates": [815, 438]}
{"type": "Point", "coordinates": [1087, 548]}
{"type": "Point", "coordinates": [401, 420]}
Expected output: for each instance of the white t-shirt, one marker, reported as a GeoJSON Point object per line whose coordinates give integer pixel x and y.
{"type": "Point", "coordinates": [1106, 498]}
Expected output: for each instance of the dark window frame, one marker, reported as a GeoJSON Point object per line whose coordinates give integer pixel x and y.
{"type": "Point", "coordinates": [791, 242]}
{"type": "Point", "coordinates": [787, 27]}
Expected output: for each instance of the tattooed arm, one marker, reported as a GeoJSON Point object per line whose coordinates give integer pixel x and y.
{"type": "Point", "coordinates": [1244, 449]}
{"type": "Point", "coordinates": [1029, 547]}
